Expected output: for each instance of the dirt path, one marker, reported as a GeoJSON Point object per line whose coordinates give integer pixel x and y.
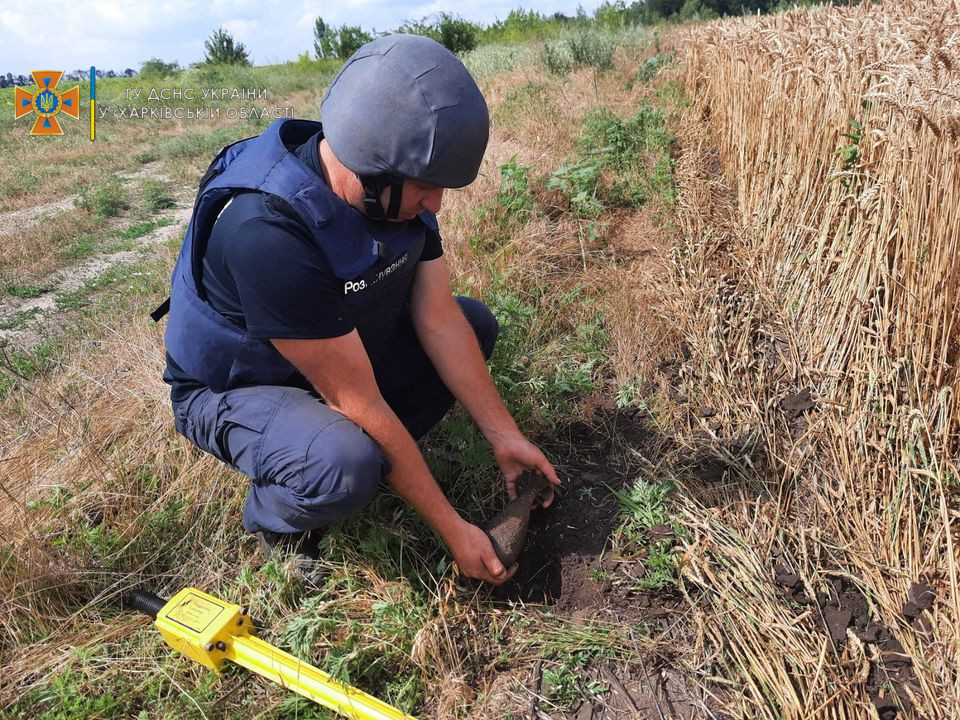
{"type": "Point", "coordinates": [25, 322]}
{"type": "Point", "coordinates": [18, 221]}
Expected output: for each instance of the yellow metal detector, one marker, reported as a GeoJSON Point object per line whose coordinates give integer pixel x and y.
{"type": "Point", "coordinates": [211, 631]}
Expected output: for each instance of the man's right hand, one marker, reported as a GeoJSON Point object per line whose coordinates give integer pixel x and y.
{"type": "Point", "coordinates": [473, 552]}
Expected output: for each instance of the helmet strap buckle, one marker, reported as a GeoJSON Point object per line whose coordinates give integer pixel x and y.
{"type": "Point", "coordinates": [373, 187]}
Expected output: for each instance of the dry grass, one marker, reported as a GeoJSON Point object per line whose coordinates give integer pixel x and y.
{"type": "Point", "coordinates": [829, 262]}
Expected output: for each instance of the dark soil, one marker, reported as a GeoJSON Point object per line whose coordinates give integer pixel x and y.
{"type": "Point", "coordinates": [567, 565]}
{"type": "Point", "coordinates": [842, 609]}
{"type": "Point", "coordinates": [560, 564]}
{"type": "Point", "coordinates": [563, 563]}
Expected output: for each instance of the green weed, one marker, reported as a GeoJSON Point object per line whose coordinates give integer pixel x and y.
{"type": "Point", "coordinates": [566, 684]}
{"type": "Point", "coordinates": [105, 201]}
{"type": "Point", "coordinates": [580, 181]}
{"type": "Point", "coordinates": [850, 153]}
{"type": "Point", "coordinates": [653, 65]}
{"type": "Point", "coordinates": [514, 194]}
{"type": "Point", "coordinates": [156, 195]}
{"type": "Point", "coordinates": [623, 163]}
{"type": "Point", "coordinates": [66, 697]}
{"type": "Point", "coordinates": [648, 514]}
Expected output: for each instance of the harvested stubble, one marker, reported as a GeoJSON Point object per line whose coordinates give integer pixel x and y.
{"type": "Point", "coordinates": [833, 264]}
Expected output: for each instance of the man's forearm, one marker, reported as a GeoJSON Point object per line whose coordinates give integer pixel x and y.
{"type": "Point", "coordinates": [409, 475]}
{"type": "Point", "coordinates": [453, 348]}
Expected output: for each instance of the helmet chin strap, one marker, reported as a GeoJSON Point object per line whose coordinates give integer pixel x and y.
{"type": "Point", "coordinates": [373, 187]}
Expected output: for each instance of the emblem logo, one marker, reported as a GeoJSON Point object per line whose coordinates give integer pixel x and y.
{"type": "Point", "coordinates": [47, 103]}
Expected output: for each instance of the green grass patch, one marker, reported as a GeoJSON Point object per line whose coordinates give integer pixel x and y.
{"type": "Point", "coordinates": [146, 156]}
{"type": "Point", "coordinates": [649, 531]}
{"type": "Point", "coordinates": [26, 292]}
{"type": "Point", "coordinates": [138, 230]}
{"type": "Point", "coordinates": [156, 195]}
{"type": "Point", "coordinates": [373, 652]}
{"type": "Point", "coordinates": [542, 369]}
{"type": "Point", "coordinates": [105, 201]}
{"type": "Point", "coordinates": [194, 144]}
{"type": "Point", "coordinates": [19, 319]}
{"type": "Point", "coordinates": [80, 247]}
{"type": "Point", "coordinates": [520, 103]}
{"type": "Point", "coordinates": [23, 365]}
{"type": "Point", "coordinates": [622, 163]}
{"type": "Point", "coordinates": [17, 182]}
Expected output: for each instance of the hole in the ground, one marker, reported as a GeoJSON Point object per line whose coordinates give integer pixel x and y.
{"type": "Point", "coordinates": [564, 544]}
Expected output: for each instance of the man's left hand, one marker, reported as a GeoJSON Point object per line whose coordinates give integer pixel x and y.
{"type": "Point", "coordinates": [516, 455]}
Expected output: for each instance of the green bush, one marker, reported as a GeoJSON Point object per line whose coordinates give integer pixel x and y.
{"type": "Point", "coordinates": [524, 25]}
{"type": "Point", "coordinates": [492, 59]}
{"type": "Point", "coordinates": [456, 34]}
{"type": "Point", "coordinates": [582, 47]}
{"type": "Point", "coordinates": [156, 195]}
{"type": "Point", "coordinates": [156, 68]}
{"type": "Point", "coordinates": [451, 31]}
{"type": "Point", "coordinates": [104, 201]}
{"type": "Point", "coordinates": [222, 49]}
{"type": "Point", "coordinates": [337, 42]}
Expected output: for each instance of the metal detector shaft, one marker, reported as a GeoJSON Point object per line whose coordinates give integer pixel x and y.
{"type": "Point", "coordinates": [212, 631]}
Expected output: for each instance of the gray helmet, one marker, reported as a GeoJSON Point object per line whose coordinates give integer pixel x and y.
{"type": "Point", "coordinates": [403, 106]}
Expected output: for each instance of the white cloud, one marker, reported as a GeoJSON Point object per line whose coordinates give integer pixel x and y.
{"type": "Point", "coordinates": [116, 34]}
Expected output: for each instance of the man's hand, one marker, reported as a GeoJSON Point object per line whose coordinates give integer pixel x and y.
{"type": "Point", "coordinates": [473, 552]}
{"type": "Point", "coordinates": [516, 455]}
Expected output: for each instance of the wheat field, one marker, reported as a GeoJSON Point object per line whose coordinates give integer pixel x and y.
{"type": "Point", "coordinates": [818, 199]}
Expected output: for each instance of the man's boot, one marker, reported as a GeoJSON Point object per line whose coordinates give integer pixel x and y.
{"type": "Point", "coordinates": [302, 548]}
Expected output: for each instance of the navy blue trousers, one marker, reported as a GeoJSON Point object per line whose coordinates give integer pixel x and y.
{"type": "Point", "coordinates": [310, 466]}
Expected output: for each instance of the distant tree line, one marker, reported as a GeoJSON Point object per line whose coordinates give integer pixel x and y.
{"type": "Point", "coordinates": [460, 35]}
{"type": "Point", "coordinates": [9, 80]}
{"type": "Point", "coordinates": [454, 32]}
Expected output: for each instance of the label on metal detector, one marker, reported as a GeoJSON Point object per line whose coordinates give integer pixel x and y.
{"type": "Point", "coordinates": [195, 612]}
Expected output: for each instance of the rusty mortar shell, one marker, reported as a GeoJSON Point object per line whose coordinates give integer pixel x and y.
{"type": "Point", "coordinates": [508, 530]}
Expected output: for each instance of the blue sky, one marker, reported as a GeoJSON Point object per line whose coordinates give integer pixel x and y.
{"type": "Point", "coordinates": [117, 34]}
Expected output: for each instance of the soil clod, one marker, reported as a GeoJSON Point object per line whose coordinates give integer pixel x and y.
{"type": "Point", "coordinates": [843, 607]}
{"type": "Point", "coordinates": [837, 620]}
{"type": "Point", "coordinates": [921, 595]}
{"type": "Point", "coordinates": [798, 403]}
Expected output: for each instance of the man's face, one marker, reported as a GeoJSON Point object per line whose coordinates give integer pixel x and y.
{"type": "Point", "coordinates": [416, 197]}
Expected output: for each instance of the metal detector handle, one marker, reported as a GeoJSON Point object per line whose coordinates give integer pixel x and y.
{"type": "Point", "coordinates": [146, 602]}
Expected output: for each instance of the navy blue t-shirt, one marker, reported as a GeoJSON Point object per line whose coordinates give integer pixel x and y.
{"type": "Point", "coordinates": [263, 271]}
